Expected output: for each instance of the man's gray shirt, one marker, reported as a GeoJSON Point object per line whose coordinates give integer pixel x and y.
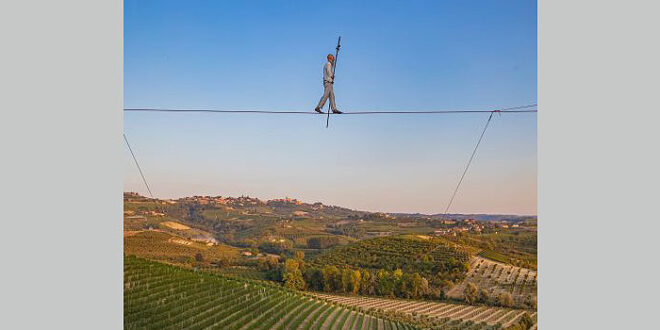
{"type": "Point", "coordinates": [327, 72]}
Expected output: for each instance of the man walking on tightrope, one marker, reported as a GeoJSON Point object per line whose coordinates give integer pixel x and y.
{"type": "Point", "coordinates": [328, 92]}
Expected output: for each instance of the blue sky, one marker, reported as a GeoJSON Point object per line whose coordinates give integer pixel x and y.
{"type": "Point", "coordinates": [268, 55]}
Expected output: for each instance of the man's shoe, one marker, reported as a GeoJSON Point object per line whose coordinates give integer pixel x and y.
{"type": "Point", "coordinates": [336, 111]}
{"type": "Point", "coordinates": [318, 110]}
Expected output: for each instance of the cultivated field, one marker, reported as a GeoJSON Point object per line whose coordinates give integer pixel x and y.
{"type": "Point", "coordinates": [167, 247]}
{"type": "Point", "coordinates": [448, 315]}
{"type": "Point", "coordinates": [498, 277]}
{"type": "Point", "coordinates": [159, 296]}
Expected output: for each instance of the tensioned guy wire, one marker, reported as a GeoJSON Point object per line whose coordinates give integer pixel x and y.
{"type": "Point", "coordinates": [467, 166]}
{"type": "Point", "coordinates": [138, 166]}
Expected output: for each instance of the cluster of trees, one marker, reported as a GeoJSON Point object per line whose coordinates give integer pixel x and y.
{"type": "Point", "coordinates": [347, 229]}
{"type": "Point", "coordinates": [322, 242]}
{"type": "Point", "coordinates": [276, 247]}
{"type": "Point", "coordinates": [267, 264]}
{"type": "Point", "coordinates": [297, 275]}
{"type": "Point", "coordinates": [440, 263]}
{"type": "Point", "coordinates": [473, 295]}
{"type": "Point", "coordinates": [524, 323]}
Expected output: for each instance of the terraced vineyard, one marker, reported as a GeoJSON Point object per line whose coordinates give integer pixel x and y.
{"type": "Point", "coordinates": [497, 277]}
{"type": "Point", "coordinates": [160, 296]}
{"type": "Point", "coordinates": [446, 315]}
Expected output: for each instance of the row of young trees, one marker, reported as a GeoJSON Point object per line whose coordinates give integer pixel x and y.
{"type": "Point", "coordinates": [297, 275]}
{"type": "Point", "coordinates": [473, 295]}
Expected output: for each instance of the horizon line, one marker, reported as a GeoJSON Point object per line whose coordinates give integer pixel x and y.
{"type": "Point", "coordinates": [292, 198]}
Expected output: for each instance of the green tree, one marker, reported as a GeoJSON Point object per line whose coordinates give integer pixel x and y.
{"type": "Point", "coordinates": [292, 275]}
{"type": "Point", "coordinates": [482, 296]}
{"type": "Point", "coordinates": [356, 279]}
{"type": "Point", "coordinates": [530, 301]}
{"type": "Point", "coordinates": [384, 283]}
{"type": "Point", "coordinates": [331, 278]}
{"type": "Point", "coordinates": [345, 280]}
{"type": "Point", "coordinates": [268, 263]}
{"type": "Point", "coordinates": [314, 278]}
{"type": "Point", "coordinates": [367, 285]}
{"type": "Point", "coordinates": [505, 299]}
{"type": "Point", "coordinates": [470, 293]}
{"type": "Point", "coordinates": [322, 242]}
{"type": "Point", "coordinates": [416, 288]}
{"type": "Point", "coordinates": [526, 321]}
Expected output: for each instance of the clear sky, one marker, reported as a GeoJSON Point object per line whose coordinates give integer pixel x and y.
{"type": "Point", "coordinates": [396, 55]}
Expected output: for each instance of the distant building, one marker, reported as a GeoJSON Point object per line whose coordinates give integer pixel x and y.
{"type": "Point", "coordinates": [442, 232]}
{"type": "Point", "coordinates": [286, 200]}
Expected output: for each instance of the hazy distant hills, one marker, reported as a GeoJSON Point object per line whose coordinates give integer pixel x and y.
{"type": "Point", "coordinates": [458, 216]}
{"type": "Point", "coordinates": [287, 206]}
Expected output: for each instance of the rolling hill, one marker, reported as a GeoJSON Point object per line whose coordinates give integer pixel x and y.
{"type": "Point", "coordinates": [159, 296]}
{"type": "Point", "coordinates": [435, 259]}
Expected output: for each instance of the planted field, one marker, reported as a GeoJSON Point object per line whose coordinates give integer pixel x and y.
{"type": "Point", "coordinates": [248, 273]}
{"type": "Point", "coordinates": [492, 255]}
{"type": "Point", "coordinates": [160, 296]}
{"type": "Point", "coordinates": [164, 246]}
{"type": "Point", "coordinates": [443, 315]}
{"type": "Point", "coordinates": [497, 278]}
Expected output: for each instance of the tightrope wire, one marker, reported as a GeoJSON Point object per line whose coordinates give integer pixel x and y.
{"type": "Point", "coordinates": [505, 110]}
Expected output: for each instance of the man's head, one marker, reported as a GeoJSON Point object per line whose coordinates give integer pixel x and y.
{"type": "Point", "coordinates": [331, 58]}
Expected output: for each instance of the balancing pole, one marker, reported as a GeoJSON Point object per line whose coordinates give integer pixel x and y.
{"type": "Point", "coordinates": [334, 66]}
